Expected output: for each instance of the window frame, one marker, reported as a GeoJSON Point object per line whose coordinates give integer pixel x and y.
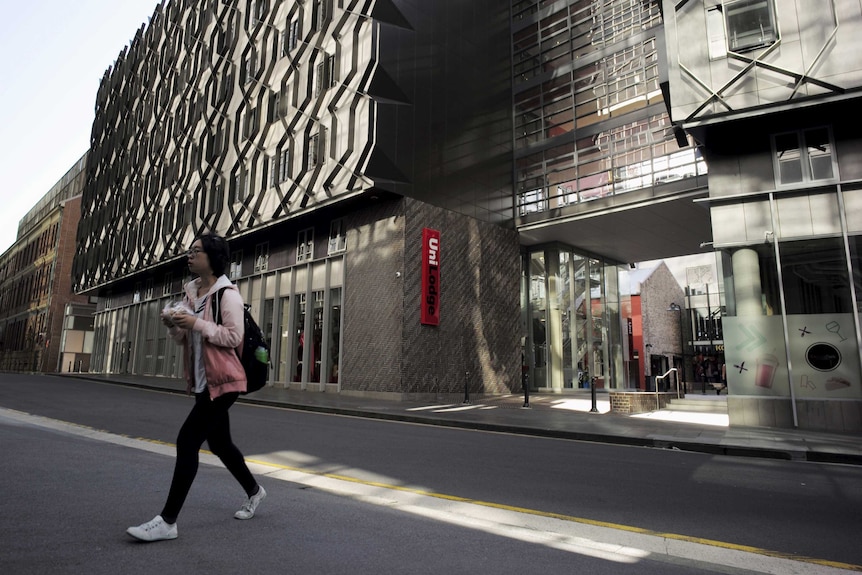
{"type": "Point", "coordinates": [313, 155]}
{"type": "Point", "coordinates": [806, 172]}
{"type": "Point", "coordinates": [337, 237]}
{"type": "Point", "coordinates": [732, 7]}
{"type": "Point", "coordinates": [292, 36]}
{"type": "Point", "coordinates": [305, 245]}
{"type": "Point", "coordinates": [261, 257]}
{"type": "Point", "coordinates": [235, 268]}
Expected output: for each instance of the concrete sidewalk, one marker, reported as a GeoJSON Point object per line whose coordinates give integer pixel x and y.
{"type": "Point", "coordinates": [565, 416]}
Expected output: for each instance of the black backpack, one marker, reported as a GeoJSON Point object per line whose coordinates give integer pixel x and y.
{"type": "Point", "coordinates": [255, 351]}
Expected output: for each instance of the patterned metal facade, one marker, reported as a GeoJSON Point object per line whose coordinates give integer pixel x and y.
{"type": "Point", "coordinates": [320, 137]}
{"type": "Point", "coordinates": [228, 116]}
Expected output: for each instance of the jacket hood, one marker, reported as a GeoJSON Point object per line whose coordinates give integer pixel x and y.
{"type": "Point", "coordinates": [191, 288]}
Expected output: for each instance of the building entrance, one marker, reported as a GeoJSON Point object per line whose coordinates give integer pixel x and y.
{"type": "Point", "coordinates": [571, 312]}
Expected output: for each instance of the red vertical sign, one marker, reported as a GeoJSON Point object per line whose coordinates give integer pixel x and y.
{"type": "Point", "coordinates": [430, 276]}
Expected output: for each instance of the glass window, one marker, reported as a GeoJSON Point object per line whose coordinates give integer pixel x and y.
{"type": "Point", "coordinates": [299, 342]}
{"type": "Point", "coordinates": [316, 337]}
{"type": "Point", "coordinates": [284, 351]}
{"type": "Point", "coordinates": [803, 156]}
{"type": "Point", "coordinates": [788, 155]}
{"type": "Point", "coordinates": [293, 41]}
{"type": "Point", "coordinates": [235, 265]}
{"type": "Point", "coordinates": [750, 24]}
{"type": "Point", "coordinates": [815, 277]}
{"type": "Point", "coordinates": [313, 150]}
{"type": "Point", "coordinates": [566, 305]}
{"type": "Point", "coordinates": [538, 305]}
{"type": "Point", "coordinates": [337, 236]}
{"type": "Point", "coordinates": [715, 33]}
{"type": "Point", "coordinates": [334, 334]}
{"type": "Point", "coordinates": [819, 151]}
{"type": "Point", "coordinates": [856, 266]}
{"type": "Point", "coordinates": [261, 257]}
{"type": "Point", "coordinates": [305, 245]}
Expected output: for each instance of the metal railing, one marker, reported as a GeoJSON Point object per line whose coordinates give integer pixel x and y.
{"type": "Point", "coordinates": [664, 376]}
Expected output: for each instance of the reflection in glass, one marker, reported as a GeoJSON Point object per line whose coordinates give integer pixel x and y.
{"type": "Point", "coordinates": [566, 306]}
{"type": "Point", "coordinates": [582, 314]}
{"type": "Point", "coordinates": [597, 313]}
{"type": "Point", "coordinates": [789, 158]}
{"type": "Point", "coordinates": [266, 321]}
{"type": "Point", "coordinates": [856, 267]}
{"type": "Point", "coordinates": [334, 334]}
{"type": "Point", "coordinates": [281, 371]}
{"type": "Point", "coordinates": [316, 337]}
{"type": "Point", "coordinates": [538, 307]}
{"type": "Point", "coordinates": [815, 277]}
{"type": "Point", "coordinates": [299, 341]}
{"type": "Point", "coordinates": [819, 153]}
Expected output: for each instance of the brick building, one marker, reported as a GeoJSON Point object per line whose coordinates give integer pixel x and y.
{"type": "Point", "coordinates": [549, 144]}
{"type": "Point", "coordinates": [44, 326]}
{"type": "Point", "coordinates": [658, 334]}
{"type": "Point", "coordinates": [317, 138]}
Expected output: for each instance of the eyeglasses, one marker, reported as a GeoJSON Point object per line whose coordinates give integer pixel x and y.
{"type": "Point", "coordinates": [193, 252]}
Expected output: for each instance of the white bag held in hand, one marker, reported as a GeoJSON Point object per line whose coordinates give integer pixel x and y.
{"type": "Point", "coordinates": [174, 308]}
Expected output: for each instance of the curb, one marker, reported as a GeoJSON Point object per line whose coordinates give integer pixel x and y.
{"type": "Point", "coordinates": [806, 455]}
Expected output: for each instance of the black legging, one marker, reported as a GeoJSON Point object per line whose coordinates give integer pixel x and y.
{"type": "Point", "coordinates": [208, 421]}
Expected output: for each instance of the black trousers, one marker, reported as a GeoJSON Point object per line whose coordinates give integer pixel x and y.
{"type": "Point", "coordinates": [208, 421]}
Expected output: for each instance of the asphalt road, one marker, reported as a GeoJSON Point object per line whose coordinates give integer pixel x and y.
{"type": "Point", "coordinates": [69, 496]}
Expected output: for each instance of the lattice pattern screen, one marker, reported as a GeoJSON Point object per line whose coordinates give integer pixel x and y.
{"type": "Point", "coordinates": [226, 116]}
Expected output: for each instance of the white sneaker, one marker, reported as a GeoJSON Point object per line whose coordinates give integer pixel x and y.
{"type": "Point", "coordinates": [155, 530]}
{"type": "Point", "coordinates": [248, 508]}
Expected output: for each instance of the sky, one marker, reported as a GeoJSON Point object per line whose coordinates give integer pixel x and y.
{"type": "Point", "coordinates": [53, 54]}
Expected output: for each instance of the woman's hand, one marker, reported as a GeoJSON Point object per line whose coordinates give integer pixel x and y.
{"type": "Point", "coordinates": [184, 320]}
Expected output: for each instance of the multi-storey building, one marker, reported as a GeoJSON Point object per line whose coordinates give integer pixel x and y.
{"type": "Point", "coordinates": [769, 90]}
{"type": "Point", "coordinates": [549, 143]}
{"type": "Point", "coordinates": [339, 145]}
{"type": "Point", "coordinates": [322, 137]}
{"type": "Point", "coordinates": [44, 325]}
{"type": "Point", "coordinates": [601, 178]}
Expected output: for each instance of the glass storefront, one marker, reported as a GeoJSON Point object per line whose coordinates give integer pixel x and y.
{"type": "Point", "coordinates": [297, 350]}
{"type": "Point", "coordinates": [791, 323]}
{"type": "Point", "coordinates": [573, 316]}
{"type": "Point", "coordinates": [334, 330]}
{"type": "Point", "coordinates": [132, 339]}
{"type": "Point", "coordinates": [281, 366]}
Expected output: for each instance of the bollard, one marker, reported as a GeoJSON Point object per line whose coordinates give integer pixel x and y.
{"type": "Point", "coordinates": [525, 382]}
{"type": "Point", "coordinates": [594, 409]}
{"type": "Point", "coordinates": [466, 387]}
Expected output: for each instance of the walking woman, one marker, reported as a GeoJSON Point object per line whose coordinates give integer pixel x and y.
{"type": "Point", "coordinates": [215, 375]}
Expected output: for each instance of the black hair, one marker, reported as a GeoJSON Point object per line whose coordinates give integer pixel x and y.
{"type": "Point", "coordinates": [217, 251]}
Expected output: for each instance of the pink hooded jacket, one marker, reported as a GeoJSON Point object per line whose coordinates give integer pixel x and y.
{"type": "Point", "coordinates": [219, 342]}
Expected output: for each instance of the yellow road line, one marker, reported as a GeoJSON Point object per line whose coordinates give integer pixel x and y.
{"type": "Point", "coordinates": [523, 510]}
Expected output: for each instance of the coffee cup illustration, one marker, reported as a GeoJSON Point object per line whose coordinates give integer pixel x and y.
{"type": "Point", "coordinates": [765, 372]}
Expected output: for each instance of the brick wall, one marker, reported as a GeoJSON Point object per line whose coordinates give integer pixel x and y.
{"type": "Point", "coordinates": [62, 281]}
{"type": "Point", "coordinates": [661, 328]}
{"type": "Point", "coordinates": [386, 349]}
{"type": "Point", "coordinates": [479, 329]}
{"type": "Point", "coordinates": [635, 402]}
{"type": "Point", "coordinates": [373, 298]}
